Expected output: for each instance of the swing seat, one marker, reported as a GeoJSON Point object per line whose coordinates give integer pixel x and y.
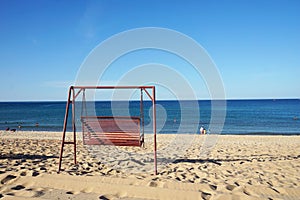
{"type": "Point", "coordinates": [107, 130]}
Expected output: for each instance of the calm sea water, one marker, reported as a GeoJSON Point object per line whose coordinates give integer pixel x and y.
{"type": "Point", "coordinates": [242, 116]}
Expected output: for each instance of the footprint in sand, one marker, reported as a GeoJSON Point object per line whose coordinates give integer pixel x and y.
{"type": "Point", "coordinates": [205, 195]}
{"type": "Point", "coordinates": [72, 192]}
{"type": "Point", "coordinates": [18, 187]}
{"type": "Point", "coordinates": [38, 194]}
{"type": "Point", "coordinates": [10, 194]}
{"type": "Point", "coordinates": [35, 173]}
{"type": "Point", "coordinates": [213, 187]}
{"type": "Point", "coordinates": [102, 197]}
{"type": "Point", "coordinates": [155, 184]}
{"type": "Point", "coordinates": [247, 192]}
{"type": "Point", "coordinates": [230, 187]}
{"type": "Point", "coordinates": [23, 174]}
{"type": "Point", "coordinates": [109, 196]}
{"type": "Point", "coordinates": [8, 178]}
{"type": "Point", "coordinates": [152, 184]}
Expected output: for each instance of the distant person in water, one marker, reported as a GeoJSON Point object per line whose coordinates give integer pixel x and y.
{"type": "Point", "coordinates": [7, 129]}
{"type": "Point", "coordinates": [37, 124]}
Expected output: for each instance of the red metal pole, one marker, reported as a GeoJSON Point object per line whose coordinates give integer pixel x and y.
{"type": "Point", "coordinates": [73, 124]}
{"type": "Point", "coordinates": [142, 117]}
{"type": "Point", "coordinates": [154, 130]}
{"type": "Point", "coordinates": [64, 129]}
{"type": "Point", "coordinates": [148, 94]}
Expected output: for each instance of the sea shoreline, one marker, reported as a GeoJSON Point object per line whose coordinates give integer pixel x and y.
{"type": "Point", "coordinates": [149, 133]}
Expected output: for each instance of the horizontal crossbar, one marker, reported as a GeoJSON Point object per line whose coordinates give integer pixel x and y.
{"type": "Point", "coordinates": [113, 87]}
{"type": "Point", "coordinates": [69, 143]}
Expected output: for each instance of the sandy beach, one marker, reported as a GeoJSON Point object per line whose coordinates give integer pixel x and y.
{"type": "Point", "coordinates": [189, 167]}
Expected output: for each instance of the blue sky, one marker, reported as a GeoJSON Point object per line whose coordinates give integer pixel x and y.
{"type": "Point", "coordinates": [254, 44]}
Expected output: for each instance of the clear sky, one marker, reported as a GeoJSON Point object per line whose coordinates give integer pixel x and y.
{"type": "Point", "coordinates": [255, 44]}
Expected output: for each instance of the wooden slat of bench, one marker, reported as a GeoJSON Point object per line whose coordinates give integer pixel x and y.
{"type": "Point", "coordinates": [109, 142]}
{"type": "Point", "coordinates": [110, 137]}
{"type": "Point", "coordinates": [122, 137]}
{"type": "Point", "coordinates": [112, 126]}
{"type": "Point", "coordinates": [114, 135]}
{"type": "Point", "coordinates": [97, 138]}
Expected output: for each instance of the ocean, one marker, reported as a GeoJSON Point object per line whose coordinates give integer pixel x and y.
{"type": "Point", "coordinates": [260, 117]}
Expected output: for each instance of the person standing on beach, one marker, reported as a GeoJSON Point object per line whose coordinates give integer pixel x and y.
{"type": "Point", "coordinates": [201, 130]}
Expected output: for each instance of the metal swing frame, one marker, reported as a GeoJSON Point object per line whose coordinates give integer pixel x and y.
{"type": "Point", "coordinates": [73, 93]}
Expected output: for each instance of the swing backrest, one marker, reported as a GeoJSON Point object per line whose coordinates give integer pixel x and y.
{"type": "Point", "coordinates": [106, 130]}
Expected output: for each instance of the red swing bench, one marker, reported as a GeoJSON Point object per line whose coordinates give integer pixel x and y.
{"type": "Point", "coordinates": [106, 130]}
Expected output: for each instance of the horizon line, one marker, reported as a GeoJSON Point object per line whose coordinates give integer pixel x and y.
{"type": "Point", "coordinates": [230, 99]}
